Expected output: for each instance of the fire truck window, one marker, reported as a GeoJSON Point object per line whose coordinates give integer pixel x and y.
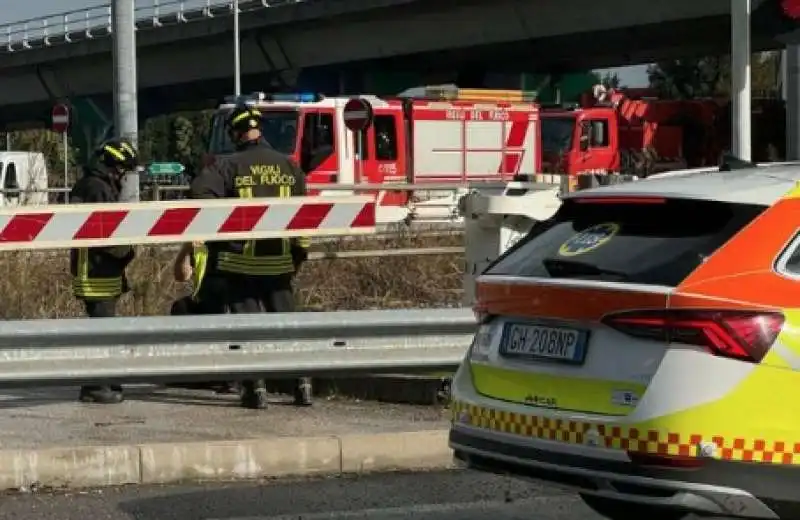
{"type": "Point", "coordinates": [385, 138]}
{"type": "Point", "coordinates": [359, 142]}
{"type": "Point", "coordinates": [10, 182]}
{"type": "Point", "coordinates": [598, 137]}
{"type": "Point", "coordinates": [318, 141]}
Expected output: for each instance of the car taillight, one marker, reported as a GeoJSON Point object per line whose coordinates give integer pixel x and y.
{"type": "Point", "coordinates": [742, 335]}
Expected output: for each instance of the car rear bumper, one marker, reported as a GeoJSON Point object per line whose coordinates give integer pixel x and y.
{"type": "Point", "coordinates": [740, 489]}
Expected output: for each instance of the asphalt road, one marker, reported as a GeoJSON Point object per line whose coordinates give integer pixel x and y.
{"type": "Point", "coordinates": [452, 495]}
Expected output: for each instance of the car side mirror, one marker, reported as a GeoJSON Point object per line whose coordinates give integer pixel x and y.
{"type": "Point", "coordinates": [584, 144]}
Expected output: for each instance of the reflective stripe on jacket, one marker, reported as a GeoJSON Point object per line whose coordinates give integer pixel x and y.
{"type": "Point", "coordinates": [99, 272]}
{"type": "Point", "coordinates": [199, 264]}
{"type": "Point", "coordinates": [86, 282]}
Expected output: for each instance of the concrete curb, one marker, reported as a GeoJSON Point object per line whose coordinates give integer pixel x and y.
{"type": "Point", "coordinates": [82, 467]}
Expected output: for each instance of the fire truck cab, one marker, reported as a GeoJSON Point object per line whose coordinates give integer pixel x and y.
{"type": "Point", "coordinates": [446, 136]}
{"type": "Point", "coordinates": [613, 132]}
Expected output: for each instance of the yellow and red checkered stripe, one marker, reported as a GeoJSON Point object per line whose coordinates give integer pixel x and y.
{"type": "Point", "coordinates": [653, 442]}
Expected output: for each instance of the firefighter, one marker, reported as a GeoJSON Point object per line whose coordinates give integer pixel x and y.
{"type": "Point", "coordinates": [190, 266]}
{"type": "Point", "coordinates": [255, 275]}
{"type": "Point", "coordinates": [98, 273]}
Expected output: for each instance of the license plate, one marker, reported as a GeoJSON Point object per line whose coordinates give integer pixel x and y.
{"type": "Point", "coordinates": [539, 342]}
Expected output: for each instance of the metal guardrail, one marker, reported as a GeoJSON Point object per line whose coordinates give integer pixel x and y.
{"type": "Point", "coordinates": [191, 348]}
{"type": "Point", "coordinates": [326, 255]}
{"type": "Point", "coordinates": [95, 21]}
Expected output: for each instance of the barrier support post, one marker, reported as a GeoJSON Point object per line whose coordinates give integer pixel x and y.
{"type": "Point", "coordinates": [494, 220]}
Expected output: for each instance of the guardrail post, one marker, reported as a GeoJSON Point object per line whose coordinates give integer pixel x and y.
{"type": "Point", "coordinates": [65, 23]}
{"type": "Point", "coordinates": [87, 26]}
{"type": "Point", "coordinates": [180, 16]}
{"type": "Point", "coordinates": [156, 13]}
{"type": "Point", "coordinates": [25, 43]}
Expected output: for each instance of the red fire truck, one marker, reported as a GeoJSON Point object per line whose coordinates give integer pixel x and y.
{"type": "Point", "coordinates": [615, 131]}
{"type": "Point", "coordinates": [454, 136]}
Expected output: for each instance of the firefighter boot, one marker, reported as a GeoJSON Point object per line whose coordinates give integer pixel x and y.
{"type": "Point", "coordinates": [303, 392]}
{"type": "Point", "coordinates": [254, 394]}
{"type": "Point", "coordinates": [101, 394]}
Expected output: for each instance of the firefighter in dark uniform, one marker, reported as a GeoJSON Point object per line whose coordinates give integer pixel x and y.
{"type": "Point", "coordinates": [98, 273]}
{"type": "Point", "coordinates": [190, 266]}
{"type": "Point", "coordinates": [255, 275]}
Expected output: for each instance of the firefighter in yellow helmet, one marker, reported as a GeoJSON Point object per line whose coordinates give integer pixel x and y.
{"type": "Point", "coordinates": [254, 275]}
{"type": "Point", "coordinates": [98, 273]}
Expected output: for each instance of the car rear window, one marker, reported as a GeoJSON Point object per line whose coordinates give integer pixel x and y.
{"type": "Point", "coordinates": [645, 243]}
{"type": "Point", "coordinates": [791, 264]}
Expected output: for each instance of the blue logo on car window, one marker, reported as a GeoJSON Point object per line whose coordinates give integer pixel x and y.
{"type": "Point", "coordinates": [589, 239]}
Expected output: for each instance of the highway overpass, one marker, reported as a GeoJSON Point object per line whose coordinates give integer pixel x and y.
{"type": "Point", "coordinates": [331, 43]}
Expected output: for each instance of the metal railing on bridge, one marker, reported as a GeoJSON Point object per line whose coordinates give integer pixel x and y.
{"type": "Point", "coordinates": [96, 22]}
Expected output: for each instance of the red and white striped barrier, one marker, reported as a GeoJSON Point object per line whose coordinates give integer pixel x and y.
{"type": "Point", "coordinates": [89, 225]}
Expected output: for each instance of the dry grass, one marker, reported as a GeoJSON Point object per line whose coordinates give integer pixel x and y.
{"type": "Point", "coordinates": [36, 284]}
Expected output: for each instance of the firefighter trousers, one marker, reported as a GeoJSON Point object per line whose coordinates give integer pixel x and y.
{"type": "Point", "coordinates": [101, 308]}
{"type": "Point", "coordinates": [105, 308]}
{"type": "Point", "coordinates": [254, 294]}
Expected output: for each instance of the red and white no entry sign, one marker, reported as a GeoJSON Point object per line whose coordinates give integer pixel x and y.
{"type": "Point", "coordinates": [60, 117]}
{"type": "Point", "coordinates": [357, 114]}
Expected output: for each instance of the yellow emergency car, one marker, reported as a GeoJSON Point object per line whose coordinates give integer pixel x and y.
{"type": "Point", "coordinates": [643, 347]}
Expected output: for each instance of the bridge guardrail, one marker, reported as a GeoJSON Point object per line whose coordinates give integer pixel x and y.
{"type": "Point", "coordinates": [183, 348]}
{"type": "Point", "coordinates": [96, 22]}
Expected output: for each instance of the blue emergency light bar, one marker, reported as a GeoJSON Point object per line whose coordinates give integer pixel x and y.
{"type": "Point", "coordinates": [293, 97]}
{"type": "Point", "coordinates": [300, 97]}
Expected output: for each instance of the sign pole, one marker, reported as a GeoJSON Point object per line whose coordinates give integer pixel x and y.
{"type": "Point", "coordinates": [61, 123]}
{"type": "Point", "coordinates": [358, 118]}
{"type": "Point", "coordinates": [66, 168]}
{"type": "Point", "coordinates": [360, 161]}
{"type": "Point", "coordinates": [237, 61]}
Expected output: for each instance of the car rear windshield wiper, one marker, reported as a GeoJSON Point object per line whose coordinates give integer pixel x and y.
{"type": "Point", "coordinates": [560, 268]}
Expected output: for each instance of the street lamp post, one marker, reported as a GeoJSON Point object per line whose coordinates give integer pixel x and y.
{"type": "Point", "coordinates": [237, 65]}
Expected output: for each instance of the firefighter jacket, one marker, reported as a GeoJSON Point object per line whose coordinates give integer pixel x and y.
{"type": "Point", "coordinates": [98, 273]}
{"type": "Point", "coordinates": [255, 170]}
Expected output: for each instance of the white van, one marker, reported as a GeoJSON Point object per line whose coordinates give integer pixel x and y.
{"type": "Point", "coordinates": [23, 179]}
